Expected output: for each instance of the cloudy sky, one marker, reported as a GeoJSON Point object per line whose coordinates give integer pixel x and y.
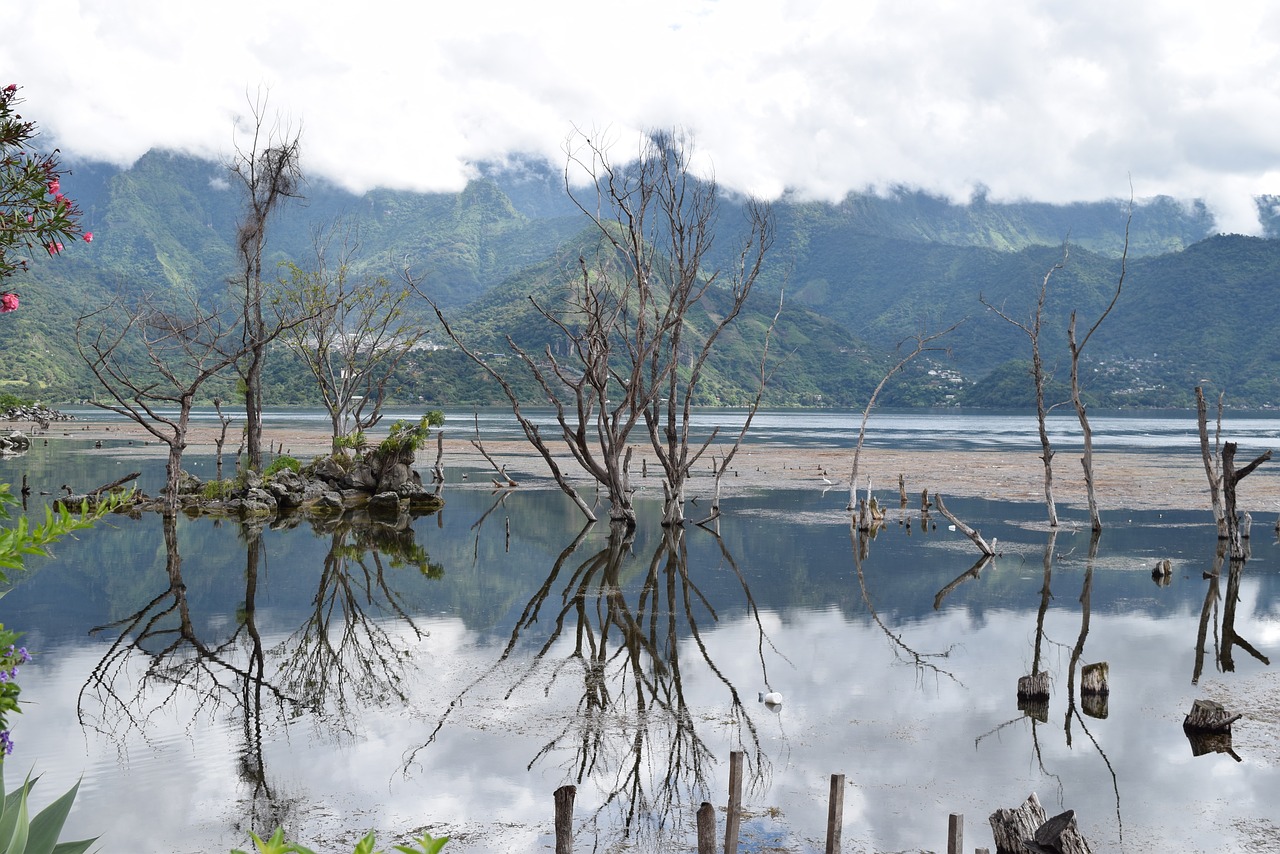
{"type": "Point", "coordinates": [1050, 101]}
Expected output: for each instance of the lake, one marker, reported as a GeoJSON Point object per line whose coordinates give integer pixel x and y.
{"type": "Point", "coordinates": [451, 676]}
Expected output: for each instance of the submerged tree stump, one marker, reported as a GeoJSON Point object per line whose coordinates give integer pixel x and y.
{"type": "Point", "coordinates": [1011, 826]}
{"type": "Point", "coordinates": [1093, 679]}
{"type": "Point", "coordinates": [1209, 716]}
{"type": "Point", "coordinates": [1027, 828]}
{"type": "Point", "coordinates": [1034, 687]}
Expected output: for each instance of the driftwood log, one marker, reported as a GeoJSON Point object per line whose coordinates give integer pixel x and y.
{"type": "Point", "coordinates": [1027, 828]}
{"type": "Point", "coordinates": [973, 535]}
{"type": "Point", "coordinates": [1208, 716]}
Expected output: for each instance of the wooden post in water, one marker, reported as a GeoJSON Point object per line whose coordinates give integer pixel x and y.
{"type": "Point", "coordinates": [564, 818]}
{"type": "Point", "coordinates": [955, 834]}
{"type": "Point", "coordinates": [733, 819]}
{"type": "Point", "coordinates": [706, 829]}
{"type": "Point", "coordinates": [835, 814]}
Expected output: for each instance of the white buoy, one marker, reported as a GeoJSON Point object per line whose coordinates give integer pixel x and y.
{"type": "Point", "coordinates": [773, 698]}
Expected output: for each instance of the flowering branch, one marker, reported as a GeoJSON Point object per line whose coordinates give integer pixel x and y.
{"type": "Point", "coordinates": [33, 210]}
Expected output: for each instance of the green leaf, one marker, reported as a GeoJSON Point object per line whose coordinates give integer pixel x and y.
{"type": "Point", "coordinates": [46, 826]}
{"type": "Point", "coordinates": [365, 846]}
{"type": "Point", "coordinates": [74, 847]}
{"type": "Point", "coordinates": [17, 842]}
{"type": "Point", "coordinates": [14, 806]}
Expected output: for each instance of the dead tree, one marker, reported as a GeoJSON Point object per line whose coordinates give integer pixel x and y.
{"type": "Point", "coordinates": [635, 321]}
{"type": "Point", "coordinates": [151, 362]}
{"type": "Point", "coordinates": [921, 345]}
{"type": "Point", "coordinates": [267, 169]}
{"type": "Point", "coordinates": [1076, 348]}
{"type": "Point", "coordinates": [986, 548]}
{"type": "Point", "coordinates": [1032, 330]}
{"type": "Point", "coordinates": [181, 353]}
{"type": "Point", "coordinates": [1231, 477]}
{"type": "Point", "coordinates": [358, 334]}
{"type": "Point", "coordinates": [1212, 460]}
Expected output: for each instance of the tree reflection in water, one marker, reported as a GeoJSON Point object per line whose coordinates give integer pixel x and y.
{"type": "Point", "coordinates": [633, 730]}
{"type": "Point", "coordinates": [1229, 639]}
{"type": "Point", "coordinates": [159, 659]}
{"type": "Point", "coordinates": [357, 641]}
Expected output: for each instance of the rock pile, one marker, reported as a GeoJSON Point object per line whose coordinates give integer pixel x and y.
{"type": "Point", "coordinates": [14, 442]}
{"type": "Point", "coordinates": [36, 413]}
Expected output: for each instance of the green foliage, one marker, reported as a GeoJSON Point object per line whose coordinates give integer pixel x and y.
{"type": "Point", "coordinates": [354, 441]}
{"type": "Point", "coordinates": [218, 490]}
{"type": "Point", "coordinates": [25, 539]}
{"type": "Point", "coordinates": [12, 401]}
{"type": "Point", "coordinates": [277, 844]}
{"type": "Point", "coordinates": [407, 437]}
{"type": "Point", "coordinates": [34, 214]}
{"type": "Point", "coordinates": [281, 463]}
{"type": "Point", "coordinates": [20, 834]}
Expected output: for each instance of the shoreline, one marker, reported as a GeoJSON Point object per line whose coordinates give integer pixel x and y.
{"type": "Point", "coordinates": [1124, 479]}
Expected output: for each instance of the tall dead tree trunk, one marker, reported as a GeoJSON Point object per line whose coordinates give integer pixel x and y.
{"type": "Point", "coordinates": [1076, 348]}
{"type": "Point", "coordinates": [1230, 479]}
{"type": "Point", "coordinates": [267, 168]}
{"type": "Point", "coordinates": [1212, 461]}
{"type": "Point", "coordinates": [1032, 330]}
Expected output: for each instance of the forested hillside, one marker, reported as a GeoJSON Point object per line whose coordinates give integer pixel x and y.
{"type": "Point", "coordinates": [856, 279]}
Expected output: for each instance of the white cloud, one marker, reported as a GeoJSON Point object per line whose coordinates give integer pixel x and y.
{"type": "Point", "coordinates": [1055, 102]}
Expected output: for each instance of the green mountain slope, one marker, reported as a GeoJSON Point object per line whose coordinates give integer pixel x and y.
{"type": "Point", "coordinates": [859, 277]}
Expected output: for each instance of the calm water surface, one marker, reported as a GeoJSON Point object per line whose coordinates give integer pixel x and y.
{"type": "Point", "coordinates": [451, 676]}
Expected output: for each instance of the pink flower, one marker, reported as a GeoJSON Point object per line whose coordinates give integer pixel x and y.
{"type": "Point", "coordinates": [88, 237]}
{"type": "Point", "coordinates": [54, 187]}
{"type": "Point", "coordinates": [8, 302]}
{"type": "Point", "coordinates": [53, 248]}
{"type": "Point", "coordinates": [12, 87]}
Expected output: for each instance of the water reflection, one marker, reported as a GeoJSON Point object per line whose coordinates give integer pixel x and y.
{"type": "Point", "coordinates": [351, 651]}
{"type": "Point", "coordinates": [158, 656]}
{"type": "Point", "coordinates": [613, 635]}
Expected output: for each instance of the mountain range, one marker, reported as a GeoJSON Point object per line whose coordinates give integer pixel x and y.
{"type": "Point", "coordinates": [856, 279]}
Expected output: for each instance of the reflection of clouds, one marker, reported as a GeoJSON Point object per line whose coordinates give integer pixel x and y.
{"type": "Point", "coordinates": [906, 744]}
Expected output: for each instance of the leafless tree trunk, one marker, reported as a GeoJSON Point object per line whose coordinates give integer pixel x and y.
{"type": "Point", "coordinates": [267, 168]}
{"type": "Point", "coordinates": [1230, 478]}
{"type": "Point", "coordinates": [1076, 348]}
{"type": "Point", "coordinates": [1032, 331]}
{"type": "Point", "coordinates": [1212, 460]}
{"type": "Point", "coordinates": [922, 343]}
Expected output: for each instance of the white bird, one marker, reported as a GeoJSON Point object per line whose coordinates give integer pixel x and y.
{"type": "Point", "coordinates": [773, 698]}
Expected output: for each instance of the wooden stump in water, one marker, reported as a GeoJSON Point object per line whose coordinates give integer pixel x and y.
{"type": "Point", "coordinates": [1094, 689]}
{"type": "Point", "coordinates": [1011, 826]}
{"type": "Point", "coordinates": [1164, 569]}
{"type": "Point", "coordinates": [1061, 835]}
{"type": "Point", "coordinates": [1093, 679]}
{"type": "Point", "coordinates": [1034, 687]}
{"type": "Point", "coordinates": [1026, 828]}
{"type": "Point", "coordinates": [1208, 716]}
